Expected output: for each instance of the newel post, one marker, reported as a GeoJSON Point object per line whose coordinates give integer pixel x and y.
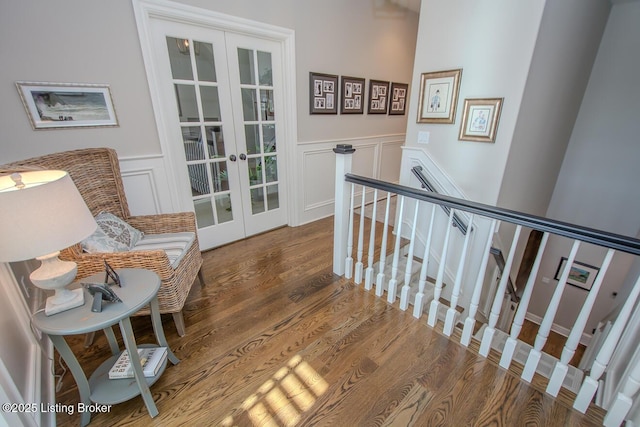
{"type": "Point", "coordinates": [344, 157]}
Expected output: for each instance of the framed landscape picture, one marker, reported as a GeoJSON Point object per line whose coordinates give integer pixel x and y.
{"type": "Point", "coordinates": [378, 97]}
{"type": "Point", "coordinates": [581, 275]}
{"type": "Point", "coordinates": [323, 93]}
{"type": "Point", "coordinates": [67, 105]}
{"type": "Point", "coordinates": [439, 96]}
{"type": "Point", "coordinates": [398, 100]}
{"type": "Point", "coordinates": [352, 95]}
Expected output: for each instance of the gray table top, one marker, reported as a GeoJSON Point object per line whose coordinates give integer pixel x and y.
{"type": "Point", "coordinates": [139, 286]}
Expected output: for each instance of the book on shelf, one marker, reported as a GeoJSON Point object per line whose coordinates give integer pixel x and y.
{"type": "Point", "coordinates": [151, 359]}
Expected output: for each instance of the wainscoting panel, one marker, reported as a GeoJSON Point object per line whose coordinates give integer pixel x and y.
{"type": "Point", "coordinates": [376, 157]}
{"type": "Point", "coordinates": [145, 185]}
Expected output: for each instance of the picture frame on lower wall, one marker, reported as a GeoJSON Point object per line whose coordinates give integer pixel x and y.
{"type": "Point", "coordinates": [352, 95]}
{"type": "Point", "coordinates": [323, 93]}
{"type": "Point", "coordinates": [378, 97]}
{"type": "Point", "coordinates": [480, 119]}
{"type": "Point", "coordinates": [581, 275]}
{"type": "Point", "coordinates": [67, 105]}
{"type": "Point", "coordinates": [398, 98]}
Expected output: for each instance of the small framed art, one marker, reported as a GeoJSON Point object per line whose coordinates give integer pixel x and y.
{"type": "Point", "coordinates": [323, 93]}
{"type": "Point", "coordinates": [352, 95]}
{"type": "Point", "coordinates": [581, 275]}
{"type": "Point", "coordinates": [67, 105]}
{"type": "Point", "coordinates": [439, 96]}
{"type": "Point", "coordinates": [378, 97]}
{"type": "Point", "coordinates": [480, 119]}
{"type": "Point", "coordinates": [398, 100]}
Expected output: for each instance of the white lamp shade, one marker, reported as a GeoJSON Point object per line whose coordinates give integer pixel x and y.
{"type": "Point", "coordinates": [47, 215]}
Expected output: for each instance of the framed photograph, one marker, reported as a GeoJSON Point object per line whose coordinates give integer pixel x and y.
{"type": "Point", "coordinates": [323, 93]}
{"type": "Point", "coordinates": [480, 119]}
{"type": "Point", "coordinates": [67, 105]}
{"type": "Point", "coordinates": [352, 95]}
{"type": "Point", "coordinates": [439, 96]}
{"type": "Point", "coordinates": [398, 98]}
{"type": "Point", "coordinates": [378, 97]}
{"type": "Point", "coordinates": [581, 275]}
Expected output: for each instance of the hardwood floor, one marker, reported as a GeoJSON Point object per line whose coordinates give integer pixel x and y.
{"type": "Point", "coordinates": [276, 339]}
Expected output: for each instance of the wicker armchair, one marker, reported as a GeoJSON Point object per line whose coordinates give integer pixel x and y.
{"type": "Point", "coordinates": [96, 173]}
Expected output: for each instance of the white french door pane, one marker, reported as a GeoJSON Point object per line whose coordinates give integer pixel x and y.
{"type": "Point", "coordinates": [204, 61]}
{"type": "Point", "coordinates": [180, 58]}
{"type": "Point", "coordinates": [264, 66]}
{"type": "Point", "coordinates": [249, 104]}
{"type": "Point", "coordinates": [252, 137]}
{"type": "Point", "coordinates": [245, 65]}
{"type": "Point", "coordinates": [210, 104]}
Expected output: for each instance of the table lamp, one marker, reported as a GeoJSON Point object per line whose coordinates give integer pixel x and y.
{"type": "Point", "coordinates": [41, 213]}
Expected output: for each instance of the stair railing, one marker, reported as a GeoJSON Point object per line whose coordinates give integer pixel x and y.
{"type": "Point", "coordinates": [419, 203]}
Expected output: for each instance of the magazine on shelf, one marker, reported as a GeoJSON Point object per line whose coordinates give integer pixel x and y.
{"type": "Point", "coordinates": [151, 359]}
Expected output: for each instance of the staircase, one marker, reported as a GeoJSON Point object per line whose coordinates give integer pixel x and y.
{"type": "Point", "coordinates": [452, 240]}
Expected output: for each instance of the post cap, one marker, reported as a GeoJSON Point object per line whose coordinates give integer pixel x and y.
{"type": "Point", "coordinates": [344, 149]}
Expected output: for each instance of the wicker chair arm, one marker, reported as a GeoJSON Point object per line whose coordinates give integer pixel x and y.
{"type": "Point", "coordinates": [164, 223]}
{"type": "Point", "coordinates": [88, 264]}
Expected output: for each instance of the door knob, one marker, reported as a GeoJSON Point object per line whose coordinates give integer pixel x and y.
{"type": "Point", "coordinates": [243, 156]}
{"type": "Point", "coordinates": [232, 157]}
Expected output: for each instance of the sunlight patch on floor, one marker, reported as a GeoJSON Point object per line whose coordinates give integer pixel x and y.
{"type": "Point", "coordinates": [282, 399]}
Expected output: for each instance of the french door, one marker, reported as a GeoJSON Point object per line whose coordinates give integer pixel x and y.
{"type": "Point", "coordinates": [221, 94]}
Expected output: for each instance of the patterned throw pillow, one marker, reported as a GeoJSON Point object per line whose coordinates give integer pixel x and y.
{"type": "Point", "coordinates": [118, 230]}
{"type": "Point", "coordinates": [100, 242]}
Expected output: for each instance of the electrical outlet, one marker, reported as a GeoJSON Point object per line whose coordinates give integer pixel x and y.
{"type": "Point", "coordinates": [546, 280]}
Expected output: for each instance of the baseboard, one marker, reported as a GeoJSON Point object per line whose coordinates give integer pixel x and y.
{"type": "Point", "coordinates": [585, 339]}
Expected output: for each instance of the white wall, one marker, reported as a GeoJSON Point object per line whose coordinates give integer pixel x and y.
{"type": "Point", "coordinates": [598, 183]}
{"type": "Point", "coordinates": [493, 42]}
{"type": "Point", "coordinates": [566, 48]}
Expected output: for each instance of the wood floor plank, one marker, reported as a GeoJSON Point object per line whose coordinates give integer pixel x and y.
{"type": "Point", "coordinates": [276, 339]}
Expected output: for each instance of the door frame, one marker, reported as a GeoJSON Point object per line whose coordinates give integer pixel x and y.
{"type": "Point", "coordinates": [147, 10]}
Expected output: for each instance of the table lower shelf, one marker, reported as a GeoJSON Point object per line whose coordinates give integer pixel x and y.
{"type": "Point", "coordinates": [110, 392]}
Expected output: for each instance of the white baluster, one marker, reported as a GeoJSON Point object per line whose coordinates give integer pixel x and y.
{"type": "Point", "coordinates": [547, 321]}
{"type": "Point", "coordinates": [449, 321]}
{"type": "Point", "coordinates": [383, 250]}
{"type": "Point", "coordinates": [359, 266]}
{"type": "Point", "coordinates": [404, 295]}
{"type": "Point", "coordinates": [368, 275]}
{"type": "Point", "coordinates": [470, 321]}
{"type": "Point", "coordinates": [418, 304]}
{"type": "Point", "coordinates": [435, 302]}
{"type": "Point", "coordinates": [348, 263]}
{"type": "Point", "coordinates": [590, 384]}
{"type": "Point", "coordinates": [490, 330]}
{"type": "Point", "coordinates": [393, 283]}
{"type": "Point", "coordinates": [624, 399]}
{"type": "Point", "coordinates": [562, 366]}
{"type": "Point", "coordinates": [518, 321]}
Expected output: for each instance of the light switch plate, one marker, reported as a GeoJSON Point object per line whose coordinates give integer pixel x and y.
{"type": "Point", "coordinates": [423, 137]}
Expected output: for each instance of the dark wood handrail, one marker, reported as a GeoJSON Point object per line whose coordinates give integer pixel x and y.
{"type": "Point", "coordinates": [597, 237]}
{"type": "Point", "coordinates": [457, 222]}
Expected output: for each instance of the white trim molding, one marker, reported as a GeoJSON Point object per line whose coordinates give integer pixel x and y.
{"type": "Point", "coordinates": [375, 157]}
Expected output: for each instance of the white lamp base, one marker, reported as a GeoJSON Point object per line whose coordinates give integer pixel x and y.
{"type": "Point", "coordinates": [55, 274]}
{"type": "Point", "coordinates": [72, 299]}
